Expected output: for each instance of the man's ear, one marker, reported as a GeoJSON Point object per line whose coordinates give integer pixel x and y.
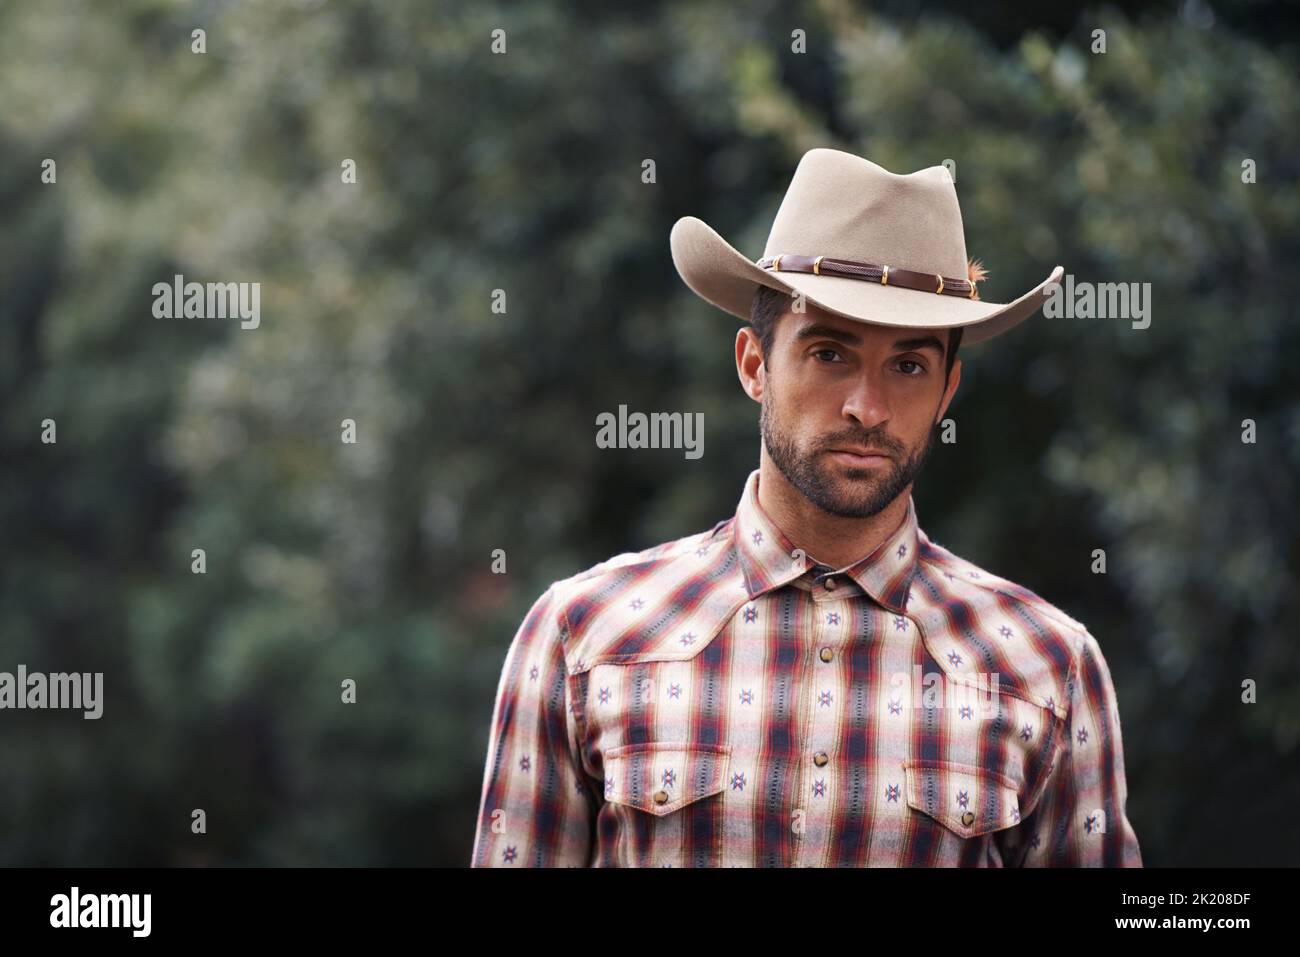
{"type": "Point", "coordinates": [954, 377]}
{"type": "Point", "coordinates": [750, 367]}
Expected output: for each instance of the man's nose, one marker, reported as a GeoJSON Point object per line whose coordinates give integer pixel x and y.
{"type": "Point", "coordinates": [867, 402]}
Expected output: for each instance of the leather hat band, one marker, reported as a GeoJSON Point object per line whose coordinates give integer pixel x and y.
{"type": "Point", "coordinates": [885, 275]}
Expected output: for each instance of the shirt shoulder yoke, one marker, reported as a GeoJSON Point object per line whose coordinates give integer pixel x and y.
{"type": "Point", "coordinates": [606, 618]}
{"type": "Point", "coordinates": [687, 547]}
{"type": "Point", "coordinates": [954, 569]}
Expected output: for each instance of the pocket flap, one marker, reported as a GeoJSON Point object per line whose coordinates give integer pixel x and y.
{"type": "Point", "coordinates": [661, 777]}
{"type": "Point", "coordinates": [967, 800]}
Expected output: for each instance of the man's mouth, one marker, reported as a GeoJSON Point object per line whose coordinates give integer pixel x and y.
{"type": "Point", "coordinates": [859, 456]}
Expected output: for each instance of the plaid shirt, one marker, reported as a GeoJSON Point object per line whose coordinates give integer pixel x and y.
{"type": "Point", "coordinates": [720, 701]}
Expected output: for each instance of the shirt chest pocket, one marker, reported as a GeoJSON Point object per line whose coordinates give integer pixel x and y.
{"type": "Point", "coordinates": [965, 799]}
{"type": "Point", "coordinates": [663, 777]}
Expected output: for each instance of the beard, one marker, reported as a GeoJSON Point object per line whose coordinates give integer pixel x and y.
{"type": "Point", "coordinates": [857, 493]}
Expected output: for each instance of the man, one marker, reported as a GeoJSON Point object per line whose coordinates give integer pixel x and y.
{"type": "Point", "coordinates": [814, 682]}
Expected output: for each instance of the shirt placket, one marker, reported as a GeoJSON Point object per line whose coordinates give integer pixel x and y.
{"type": "Point", "coordinates": [821, 765]}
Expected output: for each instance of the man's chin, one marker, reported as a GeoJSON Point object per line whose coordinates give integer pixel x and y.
{"type": "Point", "coordinates": [847, 490]}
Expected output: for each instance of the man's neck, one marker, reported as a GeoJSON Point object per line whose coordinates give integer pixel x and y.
{"type": "Point", "coordinates": [825, 538]}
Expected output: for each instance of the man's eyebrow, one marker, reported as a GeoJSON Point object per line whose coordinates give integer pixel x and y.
{"type": "Point", "coordinates": [820, 330]}
{"type": "Point", "coordinates": [920, 342]}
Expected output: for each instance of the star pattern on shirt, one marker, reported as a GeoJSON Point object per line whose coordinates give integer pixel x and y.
{"type": "Point", "coordinates": [636, 603]}
{"type": "Point", "coordinates": [751, 613]}
{"type": "Point", "coordinates": [603, 695]}
{"type": "Point", "coordinates": [825, 699]}
{"type": "Point", "coordinates": [525, 763]}
{"type": "Point", "coordinates": [1090, 823]}
{"type": "Point", "coordinates": [895, 706]}
{"type": "Point", "coordinates": [966, 711]}
{"type": "Point", "coordinates": [532, 673]}
{"type": "Point", "coordinates": [1026, 732]}
{"type": "Point", "coordinates": [746, 696]}
{"type": "Point", "coordinates": [1082, 735]}
{"type": "Point", "coordinates": [509, 855]}
{"type": "Point", "coordinates": [833, 618]}
{"type": "Point", "coordinates": [962, 799]}
{"type": "Point", "coordinates": [954, 658]}
{"type": "Point", "coordinates": [738, 782]}
{"type": "Point", "coordinates": [900, 623]}
{"type": "Point", "coordinates": [891, 793]}
{"type": "Point", "coordinates": [669, 777]}
{"type": "Point", "coordinates": [688, 638]}
{"type": "Point", "coordinates": [674, 690]}
{"type": "Point", "coordinates": [819, 787]}
{"type": "Point", "coordinates": [1005, 632]}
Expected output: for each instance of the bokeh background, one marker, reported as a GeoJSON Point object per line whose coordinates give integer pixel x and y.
{"type": "Point", "coordinates": [523, 172]}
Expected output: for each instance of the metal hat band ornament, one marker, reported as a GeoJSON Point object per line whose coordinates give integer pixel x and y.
{"type": "Point", "coordinates": [883, 274]}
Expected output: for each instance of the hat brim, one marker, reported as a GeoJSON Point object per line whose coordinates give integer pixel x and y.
{"type": "Point", "coordinates": [720, 274]}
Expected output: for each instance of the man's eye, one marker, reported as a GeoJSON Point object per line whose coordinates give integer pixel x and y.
{"type": "Point", "coordinates": [919, 369]}
{"type": "Point", "coordinates": [827, 352]}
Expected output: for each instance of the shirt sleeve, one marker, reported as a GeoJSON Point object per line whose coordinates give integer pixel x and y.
{"type": "Point", "coordinates": [1081, 819]}
{"type": "Point", "coordinates": [536, 807]}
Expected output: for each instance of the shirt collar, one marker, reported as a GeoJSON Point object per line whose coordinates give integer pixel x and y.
{"type": "Point", "coordinates": [767, 556]}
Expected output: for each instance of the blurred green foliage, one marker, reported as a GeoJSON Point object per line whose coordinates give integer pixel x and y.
{"type": "Point", "coordinates": [522, 172]}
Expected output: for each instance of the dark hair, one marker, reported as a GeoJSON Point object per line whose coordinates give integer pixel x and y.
{"type": "Point", "coordinates": [770, 304]}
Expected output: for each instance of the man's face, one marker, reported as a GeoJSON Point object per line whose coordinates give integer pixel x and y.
{"type": "Point", "coordinates": [848, 408]}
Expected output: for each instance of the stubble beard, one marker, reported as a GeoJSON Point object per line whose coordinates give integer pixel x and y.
{"type": "Point", "coordinates": [852, 493]}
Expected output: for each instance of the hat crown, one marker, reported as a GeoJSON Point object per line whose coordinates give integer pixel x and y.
{"type": "Point", "coordinates": [845, 207]}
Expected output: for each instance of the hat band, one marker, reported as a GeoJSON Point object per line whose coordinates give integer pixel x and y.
{"type": "Point", "coordinates": [885, 275]}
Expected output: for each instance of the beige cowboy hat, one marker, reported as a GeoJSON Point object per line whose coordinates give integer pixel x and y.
{"type": "Point", "coordinates": [860, 242]}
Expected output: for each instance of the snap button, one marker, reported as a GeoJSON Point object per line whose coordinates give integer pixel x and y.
{"type": "Point", "coordinates": [820, 758]}
{"type": "Point", "coordinates": [830, 584]}
{"type": "Point", "coordinates": [827, 654]}
{"type": "Point", "coordinates": [661, 797]}
{"type": "Point", "coordinates": [968, 818]}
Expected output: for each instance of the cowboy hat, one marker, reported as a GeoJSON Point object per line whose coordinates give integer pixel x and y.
{"type": "Point", "coordinates": [860, 242]}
